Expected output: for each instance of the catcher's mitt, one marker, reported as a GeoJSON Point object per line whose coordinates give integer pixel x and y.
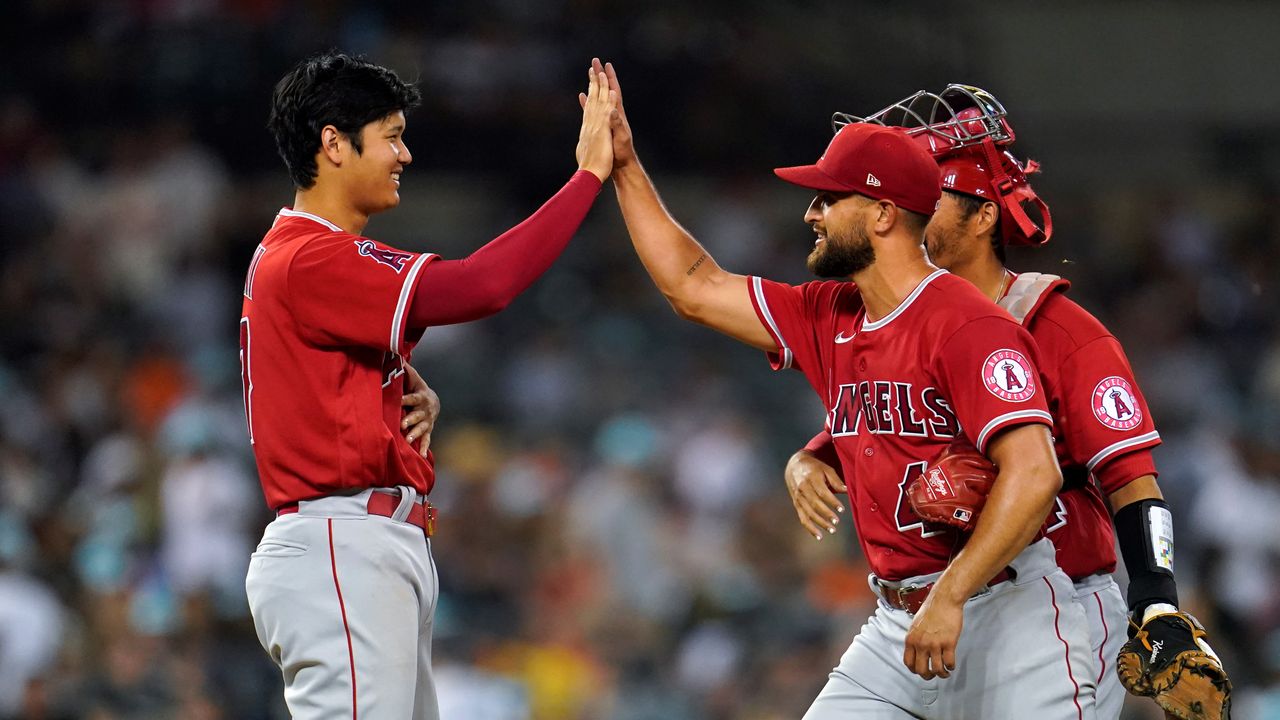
{"type": "Point", "coordinates": [1168, 659]}
{"type": "Point", "coordinates": [953, 488]}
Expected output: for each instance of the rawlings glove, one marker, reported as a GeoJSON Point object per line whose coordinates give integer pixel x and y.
{"type": "Point", "coordinates": [1168, 659]}
{"type": "Point", "coordinates": [953, 488]}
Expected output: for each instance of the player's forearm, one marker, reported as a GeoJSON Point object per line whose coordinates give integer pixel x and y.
{"type": "Point", "coordinates": [672, 257]}
{"type": "Point", "coordinates": [453, 291]}
{"type": "Point", "coordinates": [1143, 488]}
{"type": "Point", "coordinates": [1144, 532]}
{"type": "Point", "coordinates": [1015, 510]}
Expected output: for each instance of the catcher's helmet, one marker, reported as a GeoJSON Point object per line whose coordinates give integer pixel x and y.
{"type": "Point", "coordinates": [967, 131]}
{"type": "Point", "coordinates": [957, 117]}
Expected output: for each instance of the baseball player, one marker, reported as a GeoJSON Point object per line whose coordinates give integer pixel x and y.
{"type": "Point", "coordinates": [1105, 432]}
{"type": "Point", "coordinates": [904, 357]}
{"type": "Point", "coordinates": [342, 587]}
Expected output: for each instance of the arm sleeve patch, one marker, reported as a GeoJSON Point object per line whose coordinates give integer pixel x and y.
{"type": "Point", "coordinates": [987, 370]}
{"type": "Point", "coordinates": [347, 290]}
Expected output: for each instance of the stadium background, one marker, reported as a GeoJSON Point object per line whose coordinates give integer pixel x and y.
{"type": "Point", "coordinates": [616, 541]}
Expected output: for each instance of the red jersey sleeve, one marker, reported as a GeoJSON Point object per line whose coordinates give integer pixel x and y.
{"type": "Point", "coordinates": [1104, 417]}
{"type": "Point", "coordinates": [349, 290]}
{"type": "Point", "coordinates": [823, 447]}
{"type": "Point", "coordinates": [801, 319]}
{"type": "Point", "coordinates": [988, 369]}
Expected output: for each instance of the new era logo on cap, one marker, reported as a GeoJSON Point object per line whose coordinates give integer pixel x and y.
{"type": "Point", "coordinates": [877, 162]}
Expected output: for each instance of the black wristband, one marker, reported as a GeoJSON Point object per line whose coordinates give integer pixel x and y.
{"type": "Point", "coordinates": [1145, 532]}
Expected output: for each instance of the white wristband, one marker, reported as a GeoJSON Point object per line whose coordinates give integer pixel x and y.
{"type": "Point", "coordinates": [1155, 609]}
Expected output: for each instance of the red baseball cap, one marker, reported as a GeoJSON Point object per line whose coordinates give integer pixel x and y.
{"type": "Point", "coordinates": [877, 161]}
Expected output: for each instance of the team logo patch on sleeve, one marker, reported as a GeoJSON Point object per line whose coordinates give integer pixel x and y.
{"type": "Point", "coordinates": [1114, 404]}
{"type": "Point", "coordinates": [1007, 374]}
{"type": "Point", "coordinates": [393, 259]}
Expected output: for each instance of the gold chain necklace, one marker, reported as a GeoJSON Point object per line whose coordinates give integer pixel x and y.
{"type": "Point", "coordinates": [1004, 282]}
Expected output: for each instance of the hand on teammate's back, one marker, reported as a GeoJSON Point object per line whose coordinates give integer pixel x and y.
{"type": "Point", "coordinates": [423, 408]}
{"type": "Point", "coordinates": [595, 140]}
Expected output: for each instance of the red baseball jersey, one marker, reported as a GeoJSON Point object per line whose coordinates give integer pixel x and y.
{"type": "Point", "coordinates": [1104, 431]}
{"type": "Point", "coordinates": [898, 390]}
{"type": "Point", "coordinates": [323, 345]}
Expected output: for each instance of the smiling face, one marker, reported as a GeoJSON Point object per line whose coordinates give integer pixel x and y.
{"type": "Point", "coordinates": [373, 173]}
{"type": "Point", "coordinates": [843, 246]}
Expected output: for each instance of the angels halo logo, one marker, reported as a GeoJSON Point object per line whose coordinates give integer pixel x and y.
{"type": "Point", "coordinates": [1007, 375]}
{"type": "Point", "coordinates": [394, 259]}
{"type": "Point", "coordinates": [1115, 405]}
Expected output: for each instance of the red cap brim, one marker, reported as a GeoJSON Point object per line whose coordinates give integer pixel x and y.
{"type": "Point", "coordinates": [812, 177]}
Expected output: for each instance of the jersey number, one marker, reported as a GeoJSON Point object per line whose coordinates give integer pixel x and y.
{"type": "Point", "coordinates": [246, 376]}
{"type": "Point", "coordinates": [906, 517]}
{"type": "Point", "coordinates": [392, 367]}
{"type": "Point", "coordinates": [253, 271]}
{"type": "Point", "coordinates": [1057, 517]}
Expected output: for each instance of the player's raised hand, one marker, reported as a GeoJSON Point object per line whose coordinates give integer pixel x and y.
{"type": "Point", "coordinates": [930, 648]}
{"type": "Point", "coordinates": [624, 152]}
{"type": "Point", "coordinates": [425, 408]}
{"type": "Point", "coordinates": [595, 140]}
{"type": "Point", "coordinates": [813, 484]}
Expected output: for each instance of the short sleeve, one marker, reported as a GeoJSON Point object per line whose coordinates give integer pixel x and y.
{"type": "Point", "coordinates": [349, 290]}
{"type": "Point", "coordinates": [988, 371]}
{"type": "Point", "coordinates": [797, 316]}
{"type": "Point", "coordinates": [1104, 415]}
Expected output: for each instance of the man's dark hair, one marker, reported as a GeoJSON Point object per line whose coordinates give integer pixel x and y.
{"type": "Point", "coordinates": [331, 89]}
{"type": "Point", "coordinates": [969, 205]}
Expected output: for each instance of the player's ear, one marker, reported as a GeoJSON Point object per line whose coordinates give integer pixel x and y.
{"type": "Point", "coordinates": [332, 144]}
{"type": "Point", "coordinates": [988, 216]}
{"type": "Point", "coordinates": [887, 214]}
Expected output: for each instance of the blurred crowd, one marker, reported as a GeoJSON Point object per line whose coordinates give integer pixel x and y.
{"type": "Point", "coordinates": [615, 542]}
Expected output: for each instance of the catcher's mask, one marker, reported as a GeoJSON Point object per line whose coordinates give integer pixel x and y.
{"type": "Point", "coordinates": [967, 131]}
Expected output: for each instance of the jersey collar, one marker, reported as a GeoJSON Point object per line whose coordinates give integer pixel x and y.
{"type": "Point", "coordinates": [297, 213]}
{"type": "Point", "coordinates": [902, 307]}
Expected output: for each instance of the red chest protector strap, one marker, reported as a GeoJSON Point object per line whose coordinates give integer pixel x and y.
{"type": "Point", "coordinates": [1028, 292]}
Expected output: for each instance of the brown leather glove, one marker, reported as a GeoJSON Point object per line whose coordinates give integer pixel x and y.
{"type": "Point", "coordinates": [1169, 659]}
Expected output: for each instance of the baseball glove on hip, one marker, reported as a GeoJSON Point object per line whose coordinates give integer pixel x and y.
{"type": "Point", "coordinates": [953, 488]}
{"type": "Point", "coordinates": [1168, 659]}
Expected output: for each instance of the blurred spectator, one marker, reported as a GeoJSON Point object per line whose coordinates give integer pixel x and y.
{"type": "Point", "coordinates": [31, 625]}
{"type": "Point", "coordinates": [207, 503]}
